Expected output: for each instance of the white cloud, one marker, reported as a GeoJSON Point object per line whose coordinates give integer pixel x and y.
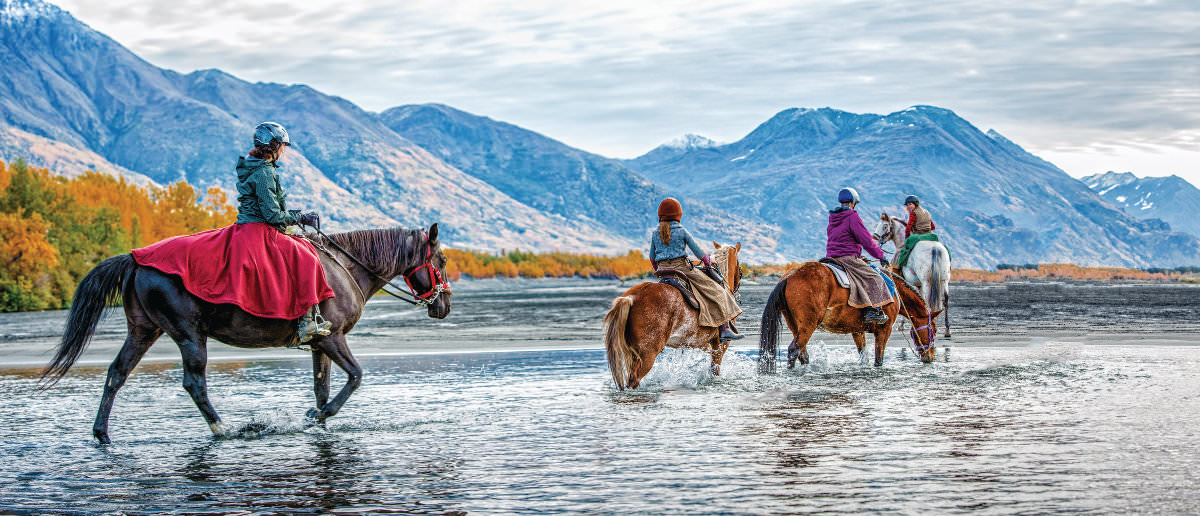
{"type": "Point", "coordinates": [617, 77]}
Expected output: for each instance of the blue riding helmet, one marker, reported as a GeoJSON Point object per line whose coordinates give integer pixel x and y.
{"type": "Point", "coordinates": [848, 195]}
{"type": "Point", "coordinates": [913, 199]}
{"type": "Point", "coordinates": [268, 132]}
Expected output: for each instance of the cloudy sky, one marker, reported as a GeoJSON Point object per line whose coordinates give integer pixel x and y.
{"type": "Point", "coordinates": [1088, 85]}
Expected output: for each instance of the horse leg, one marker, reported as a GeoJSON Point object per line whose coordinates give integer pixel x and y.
{"type": "Point", "coordinates": [946, 312]}
{"type": "Point", "coordinates": [798, 349]}
{"type": "Point", "coordinates": [194, 350]}
{"type": "Point", "coordinates": [860, 341]}
{"type": "Point", "coordinates": [321, 369]}
{"type": "Point", "coordinates": [138, 341]}
{"type": "Point", "coordinates": [718, 353]}
{"type": "Point", "coordinates": [881, 338]}
{"type": "Point", "coordinates": [334, 346]}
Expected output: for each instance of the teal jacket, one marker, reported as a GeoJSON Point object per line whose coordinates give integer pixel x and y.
{"type": "Point", "coordinates": [260, 198]}
{"type": "Point", "coordinates": [681, 240]}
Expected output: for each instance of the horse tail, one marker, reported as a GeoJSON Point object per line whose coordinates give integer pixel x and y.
{"type": "Point", "coordinates": [101, 287]}
{"type": "Point", "coordinates": [769, 328]}
{"type": "Point", "coordinates": [622, 358]}
{"type": "Point", "coordinates": [938, 256]}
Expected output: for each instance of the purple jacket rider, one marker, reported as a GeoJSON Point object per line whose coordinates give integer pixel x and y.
{"type": "Point", "coordinates": [848, 236]}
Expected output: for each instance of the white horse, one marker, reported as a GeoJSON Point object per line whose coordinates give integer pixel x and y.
{"type": "Point", "coordinates": [928, 265]}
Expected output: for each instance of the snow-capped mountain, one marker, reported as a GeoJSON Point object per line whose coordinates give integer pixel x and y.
{"type": "Point", "coordinates": [993, 201]}
{"type": "Point", "coordinates": [1171, 199]}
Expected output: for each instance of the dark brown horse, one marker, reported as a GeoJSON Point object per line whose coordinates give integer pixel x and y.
{"type": "Point", "coordinates": [357, 265]}
{"type": "Point", "coordinates": [651, 316]}
{"type": "Point", "coordinates": [808, 298]}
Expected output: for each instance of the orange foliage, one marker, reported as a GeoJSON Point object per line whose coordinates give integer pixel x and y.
{"type": "Point", "coordinates": [476, 264]}
{"type": "Point", "coordinates": [1062, 271]}
{"type": "Point", "coordinates": [24, 250]}
{"type": "Point", "coordinates": [152, 214]}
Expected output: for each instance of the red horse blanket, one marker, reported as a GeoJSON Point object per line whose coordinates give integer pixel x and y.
{"type": "Point", "coordinates": [254, 266]}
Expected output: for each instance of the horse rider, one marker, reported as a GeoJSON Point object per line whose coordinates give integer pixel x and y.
{"type": "Point", "coordinates": [253, 263]}
{"type": "Point", "coordinates": [847, 239]}
{"type": "Point", "coordinates": [919, 227]}
{"type": "Point", "coordinates": [668, 250]}
{"type": "Point", "coordinates": [261, 200]}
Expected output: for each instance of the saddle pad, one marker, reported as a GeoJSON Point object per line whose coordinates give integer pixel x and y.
{"type": "Point", "coordinates": [842, 279]}
{"type": "Point", "coordinates": [677, 280]}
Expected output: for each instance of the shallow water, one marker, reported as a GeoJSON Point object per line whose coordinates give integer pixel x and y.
{"type": "Point", "coordinates": [1026, 425]}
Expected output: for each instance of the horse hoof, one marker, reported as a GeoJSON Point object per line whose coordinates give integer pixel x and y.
{"type": "Point", "coordinates": [791, 364]}
{"type": "Point", "coordinates": [101, 436]}
{"type": "Point", "coordinates": [219, 429]}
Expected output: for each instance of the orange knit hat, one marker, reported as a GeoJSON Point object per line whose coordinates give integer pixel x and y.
{"type": "Point", "coordinates": [669, 209]}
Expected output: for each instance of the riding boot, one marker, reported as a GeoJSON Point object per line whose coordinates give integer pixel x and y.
{"type": "Point", "coordinates": [727, 334]}
{"type": "Point", "coordinates": [874, 315]}
{"type": "Point", "coordinates": [312, 324]}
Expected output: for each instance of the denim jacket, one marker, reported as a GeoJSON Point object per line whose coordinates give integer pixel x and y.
{"type": "Point", "coordinates": [680, 238]}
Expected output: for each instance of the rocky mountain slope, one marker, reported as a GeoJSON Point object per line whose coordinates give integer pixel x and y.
{"type": "Point", "coordinates": [61, 81]}
{"type": "Point", "coordinates": [1171, 199]}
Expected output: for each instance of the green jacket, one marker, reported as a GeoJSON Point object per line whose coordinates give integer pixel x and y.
{"type": "Point", "coordinates": [260, 198]}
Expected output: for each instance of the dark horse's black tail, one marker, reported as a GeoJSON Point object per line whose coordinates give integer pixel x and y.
{"type": "Point", "coordinates": [100, 288]}
{"type": "Point", "coordinates": [769, 329]}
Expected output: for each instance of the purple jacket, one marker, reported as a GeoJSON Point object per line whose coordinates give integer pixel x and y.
{"type": "Point", "coordinates": [848, 236]}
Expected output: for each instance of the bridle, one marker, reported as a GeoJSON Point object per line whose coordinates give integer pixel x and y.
{"type": "Point", "coordinates": [918, 347]}
{"type": "Point", "coordinates": [437, 281]}
{"type": "Point", "coordinates": [891, 231]}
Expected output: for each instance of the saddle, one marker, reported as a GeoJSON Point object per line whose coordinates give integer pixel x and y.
{"type": "Point", "coordinates": [843, 278]}
{"type": "Point", "coordinates": [679, 281]}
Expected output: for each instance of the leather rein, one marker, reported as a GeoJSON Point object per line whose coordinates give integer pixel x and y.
{"type": "Point", "coordinates": [438, 284]}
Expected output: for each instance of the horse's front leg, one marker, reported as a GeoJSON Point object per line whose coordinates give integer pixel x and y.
{"type": "Point", "coordinates": [717, 352]}
{"type": "Point", "coordinates": [334, 346]}
{"type": "Point", "coordinates": [194, 350]}
{"type": "Point", "coordinates": [946, 310]}
{"type": "Point", "coordinates": [881, 338]}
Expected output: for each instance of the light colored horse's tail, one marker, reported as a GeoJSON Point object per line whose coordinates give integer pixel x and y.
{"type": "Point", "coordinates": [936, 266]}
{"type": "Point", "coordinates": [622, 358]}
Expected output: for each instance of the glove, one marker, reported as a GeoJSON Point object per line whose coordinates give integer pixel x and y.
{"type": "Point", "coordinates": [706, 260]}
{"type": "Point", "coordinates": [310, 219]}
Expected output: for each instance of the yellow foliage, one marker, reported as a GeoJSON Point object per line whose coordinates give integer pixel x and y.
{"type": "Point", "coordinates": [477, 264]}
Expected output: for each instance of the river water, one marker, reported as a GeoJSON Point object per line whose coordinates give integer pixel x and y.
{"type": "Point", "coordinates": [1052, 399]}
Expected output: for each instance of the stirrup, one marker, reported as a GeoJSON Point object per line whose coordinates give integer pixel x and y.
{"type": "Point", "coordinates": [311, 325]}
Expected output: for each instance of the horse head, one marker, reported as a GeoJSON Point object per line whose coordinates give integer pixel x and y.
{"type": "Point", "coordinates": [885, 230]}
{"type": "Point", "coordinates": [914, 308]}
{"type": "Point", "coordinates": [725, 258]}
{"type": "Point", "coordinates": [427, 278]}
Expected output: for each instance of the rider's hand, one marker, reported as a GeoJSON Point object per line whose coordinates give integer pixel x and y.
{"type": "Point", "coordinates": [707, 260]}
{"type": "Point", "coordinates": [310, 219]}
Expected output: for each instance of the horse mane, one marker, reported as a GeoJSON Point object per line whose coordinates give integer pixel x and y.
{"type": "Point", "coordinates": [391, 249]}
{"type": "Point", "coordinates": [901, 282]}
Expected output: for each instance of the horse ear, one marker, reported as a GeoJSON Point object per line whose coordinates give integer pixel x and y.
{"type": "Point", "coordinates": [716, 245]}
{"type": "Point", "coordinates": [738, 247]}
{"type": "Point", "coordinates": [883, 217]}
{"type": "Point", "coordinates": [433, 230]}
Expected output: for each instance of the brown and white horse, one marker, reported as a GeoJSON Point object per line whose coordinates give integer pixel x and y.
{"type": "Point", "coordinates": [808, 298]}
{"type": "Point", "coordinates": [651, 316]}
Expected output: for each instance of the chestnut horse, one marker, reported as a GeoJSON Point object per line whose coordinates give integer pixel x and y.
{"type": "Point", "coordinates": [357, 265]}
{"type": "Point", "coordinates": [651, 316]}
{"type": "Point", "coordinates": [809, 297]}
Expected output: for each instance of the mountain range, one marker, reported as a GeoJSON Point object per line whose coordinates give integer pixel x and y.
{"type": "Point", "coordinates": [73, 99]}
{"type": "Point", "coordinates": [1171, 199]}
